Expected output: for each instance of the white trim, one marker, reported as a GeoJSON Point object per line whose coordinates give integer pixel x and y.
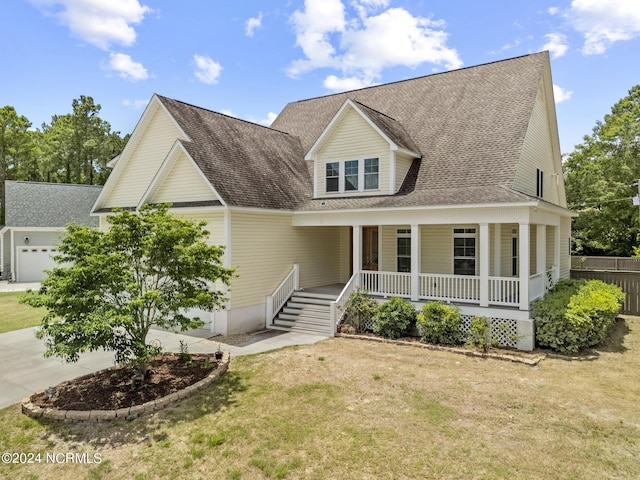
{"type": "Point", "coordinates": [357, 248]}
{"type": "Point", "coordinates": [523, 264]}
{"type": "Point", "coordinates": [484, 264]}
{"type": "Point", "coordinates": [416, 240]}
{"type": "Point", "coordinates": [541, 249]}
{"type": "Point", "coordinates": [167, 164]}
{"type": "Point", "coordinates": [342, 180]}
{"type": "Point", "coordinates": [13, 254]}
{"type": "Point", "coordinates": [312, 154]}
{"type": "Point", "coordinates": [392, 172]}
{"type": "Point", "coordinates": [465, 235]}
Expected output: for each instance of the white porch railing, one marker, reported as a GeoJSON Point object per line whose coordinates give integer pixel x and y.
{"type": "Point", "coordinates": [337, 307]}
{"type": "Point", "coordinates": [541, 282]}
{"type": "Point", "coordinates": [279, 297]}
{"type": "Point", "coordinates": [455, 288]}
{"type": "Point", "coordinates": [504, 291]}
{"type": "Point", "coordinates": [385, 284]}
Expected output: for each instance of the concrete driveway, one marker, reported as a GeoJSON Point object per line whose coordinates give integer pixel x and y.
{"type": "Point", "coordinates": [24, 370]}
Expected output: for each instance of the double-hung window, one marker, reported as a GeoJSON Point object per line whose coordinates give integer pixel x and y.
{"type": "Point", "coordinates": [464, 251]}
{"type": "Point", "coordinates": [404, 250]}
{"type": "Point", "coordinates": [359, 175]}
{"type": "Point", "coordinates": [351, 176]}
{"type": "Point", "coordinates": [333, 177]}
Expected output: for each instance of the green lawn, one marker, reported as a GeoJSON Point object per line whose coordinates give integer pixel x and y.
{"type": "Point", "coordinates": [14, 315]}
{"type": "Point", "coordinates": [348, 409]}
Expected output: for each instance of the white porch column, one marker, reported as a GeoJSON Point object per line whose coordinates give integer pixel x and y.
{"type": "Point", "coordinates": [415, 262]}
{"type": "Point", "coordinates": [556, 253]}
{"type": "Point", "coordinates": [541, 249]}
{"type": "Point", "coordinates": [484, 264]}
{"type": "Point", "coordinates": [523, 265]}
{"type": "Point", "coordinates": [497, 250]}
{"type": "Point", "coordinates": [357, 248]}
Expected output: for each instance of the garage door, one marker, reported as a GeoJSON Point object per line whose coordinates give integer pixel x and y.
{"type": "Point", "coordinates": [32, 261]}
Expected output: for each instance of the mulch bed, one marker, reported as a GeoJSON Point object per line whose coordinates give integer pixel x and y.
{"type": "Point", "coordinates": [115, 388]}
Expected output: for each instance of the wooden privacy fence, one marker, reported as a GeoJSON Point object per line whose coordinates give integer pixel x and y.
{"type": "Point", "coordinates": [621, 271]}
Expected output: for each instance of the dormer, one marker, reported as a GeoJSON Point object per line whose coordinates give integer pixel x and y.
{"type": "Point", "coordinates": [360, 152]}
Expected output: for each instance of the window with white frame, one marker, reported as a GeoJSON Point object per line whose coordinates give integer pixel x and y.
{"type": "Point", "coordinates": [464, 251]}
{"type": "Point", "coordinates": [352, 175]}
{"type": "Point", "coordinates": [333, 177]}
{"type": "Point", "coordinates": [404, 249]}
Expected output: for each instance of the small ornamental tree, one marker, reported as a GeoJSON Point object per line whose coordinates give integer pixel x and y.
{"type": "Point", "coordinates": [112, 286]}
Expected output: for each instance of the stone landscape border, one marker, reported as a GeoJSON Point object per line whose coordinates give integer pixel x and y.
{"type": "Point", "coordinates": [531, 361]}
{"type": "Point", "coordinates": [129, 413]}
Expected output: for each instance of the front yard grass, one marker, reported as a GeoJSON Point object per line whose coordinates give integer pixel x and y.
{"type": "Point", "coordinates": [15, 315]}
{"type": "Point", "coordinates": [344, 408]}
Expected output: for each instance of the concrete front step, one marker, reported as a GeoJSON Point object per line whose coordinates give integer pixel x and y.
{"type": "Point", "coordinates": [297, 328]}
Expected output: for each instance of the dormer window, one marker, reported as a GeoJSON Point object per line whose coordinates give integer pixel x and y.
{"type": "Point", "coordinates": [353, 175]}
{"type": "Point", "coordinates": [333, 177]}
{"type": "Point", "coordinates": [371, 173]}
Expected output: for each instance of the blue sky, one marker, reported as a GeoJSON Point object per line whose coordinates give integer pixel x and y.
{"type": "Point", "coordinates": [249, 58]}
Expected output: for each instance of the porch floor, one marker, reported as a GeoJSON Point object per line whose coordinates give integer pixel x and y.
{"type": "Point", "coordinates": [333, 289]}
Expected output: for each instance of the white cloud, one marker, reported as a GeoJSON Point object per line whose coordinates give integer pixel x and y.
{"type": "Point", "coordinates": [360, 48]}
{"type": "Point", "coordinates": [557, 44]}
{"type": "Point", "coordinates": [346, 83]}
{"type": "Point", "coordinates": [553, 10]}
{"type": "Point", "coordinates": [253, 24]}
{"type": "Point", "coordinates": [207, 70]}
{"type": "Point", "coordinates": [135, 104]}
{"type": "Point", "coordinates": [268, 120]}
{"type": "Point", "coordinates": [604, 22]}
{"type": "Point", "coordinates": [560, 94]}
{"type": "Point", "coordinates": [100, 22]}
{"type": "Point", "coordinates": [126, 68]}
{"type": "Point", "coordinates": [228, 113]}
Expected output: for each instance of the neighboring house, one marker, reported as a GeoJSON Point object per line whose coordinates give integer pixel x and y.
{"type": "Point", "coordinates": [445, 187]}
{"type": "Point", "coordinates": [36, 215]}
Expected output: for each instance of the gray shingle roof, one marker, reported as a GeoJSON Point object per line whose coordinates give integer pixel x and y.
{"type": "Point", "coordinates": [390, 127]}
{"type": "Point", "coordinates": [35, 204]}
{"type": "Point", "coordinates": [249, 165]}
{"type": "Point", "coordinates": [469, 126]}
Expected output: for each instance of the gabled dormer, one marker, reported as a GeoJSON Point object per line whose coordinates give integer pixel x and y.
{"type": "Point", "coordinates": [361, 152]}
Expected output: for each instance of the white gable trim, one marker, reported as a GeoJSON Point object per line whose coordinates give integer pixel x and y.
{"type": "Point", "coordinates": [326, 133]}
{"type": "Point", "coordinates": [165, 168]}
{"type": "Point", "coordinates": [120, 162]}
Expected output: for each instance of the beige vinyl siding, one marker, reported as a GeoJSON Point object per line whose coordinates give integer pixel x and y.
{"type": "Point", "coordinates": [353, 138]}
{"type": "Point", "coordinates": [215, 224]}
{"type": "Point", "coordinates": [437, 249]}
{"type": "Point", "coordinates": [345, 252]}
{"type": "Point", "coordinates": [550, 245]}
{"type": "Point", "coordinates": [144, 161]}
{"type": "Point", "coordinates": [265, 246]}
{"type": "Point", "coordinates": [537, 153]}
{"type": "Point", "coordinates": [403, 163]}
{"type": "Point", "coordinates": [183, 183]}
{"type": "Point", "coordinates": [507, 234]}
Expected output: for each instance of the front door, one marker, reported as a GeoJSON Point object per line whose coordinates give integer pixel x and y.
{"type": "Point", "coordinates": [369, 248]}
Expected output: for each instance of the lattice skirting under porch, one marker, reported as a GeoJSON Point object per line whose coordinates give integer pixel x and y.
{"type": "Point", "coordinates": [503, 330]}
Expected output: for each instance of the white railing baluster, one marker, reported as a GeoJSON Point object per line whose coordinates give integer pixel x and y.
{"type": "Point", "coordinates": [279, 297]}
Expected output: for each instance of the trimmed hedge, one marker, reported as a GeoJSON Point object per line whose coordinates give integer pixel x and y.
{"type": "Point", "coordinates": [395, 318]}
{"type": "Point", "coordinates": [440, 323]}
{"type": "Point", "coordinates": [576, 314]}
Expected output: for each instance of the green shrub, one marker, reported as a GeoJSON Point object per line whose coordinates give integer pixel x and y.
{"type": "Point", "coordinates": [359, 309]}
{"type": "Point", "coordinates": [394, 318]}
{"type": "Point", "coordinates": [440, 323]}
{"type": "Point", "coordinates": [479, 333]}
{"type": "Point", "coordinates": [576, 314]}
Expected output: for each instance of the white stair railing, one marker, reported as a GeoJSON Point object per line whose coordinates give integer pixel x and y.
{"type": "Point", "coordinates": [337, 307]}
{"type": "Point", "coordinates": [282, 294]}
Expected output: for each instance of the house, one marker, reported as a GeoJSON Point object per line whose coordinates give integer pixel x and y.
{"type": "Point", "coordinates": [444, 187]}
{"type": "Point", "coordinates": [36, 215]}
